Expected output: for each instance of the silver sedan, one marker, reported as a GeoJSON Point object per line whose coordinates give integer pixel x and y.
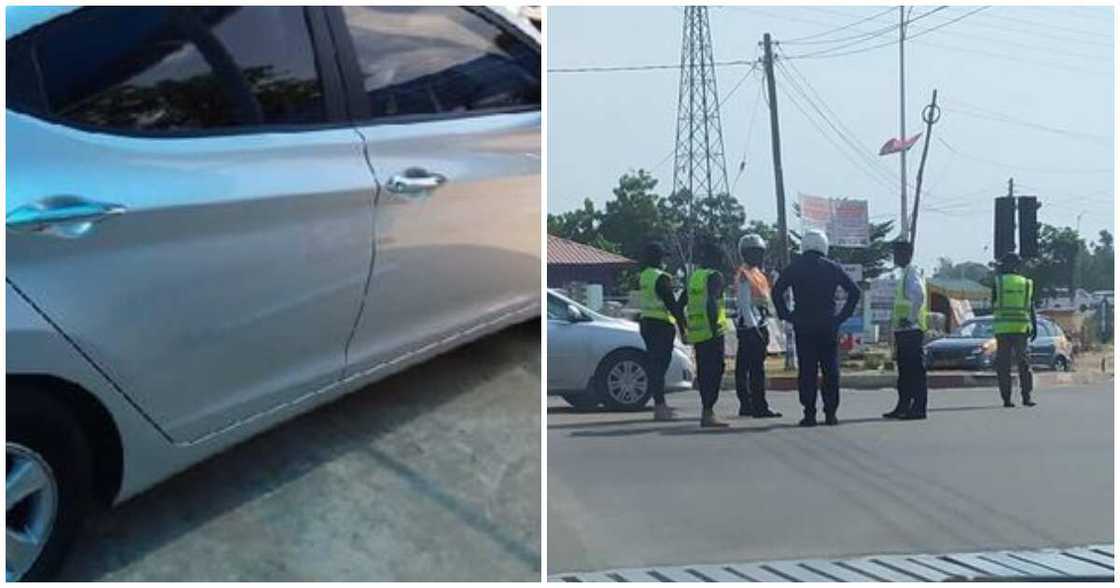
{"type": "Point", "coordinates": [220, 217]}
{"type": "Point", "coordinates": [595, 359]}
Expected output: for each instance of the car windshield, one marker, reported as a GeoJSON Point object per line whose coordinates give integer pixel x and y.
{"type": "Point", "coordinates": [974, 330]}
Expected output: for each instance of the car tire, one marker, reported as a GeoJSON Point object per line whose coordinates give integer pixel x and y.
{"type": "Point", "coordinates": [622, 380]}
{"type": "Point", "coordinates": [45, 441]}
{"type": "Point", "coordinates": [1061, 364]}
{"type": "Point", "coordinates": [581, 401]}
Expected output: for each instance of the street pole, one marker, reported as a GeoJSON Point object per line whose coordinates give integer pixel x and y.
{"type": "Point", "coordinates": [930, 114]}
{"type": "Point", "coordinates": [902, 115]}
{"type": "Point", "coordinates": [776, 148]}
{"type": "Point", "coordinates": [779, 184]}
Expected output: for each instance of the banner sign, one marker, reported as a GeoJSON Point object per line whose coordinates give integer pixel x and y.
{"type": "Point", "coordinates": [843, 220]}
{"type": "Point", "coordinates": [882, 300]}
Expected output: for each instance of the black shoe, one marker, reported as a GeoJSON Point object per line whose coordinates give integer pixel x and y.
{"type": "Point", "coordinates": [830, 419]}
{"type": "Point", "coordinates": [1008, 404]}
{"type": "Point", "coordinates": [913, 417]}
{"type": "Point", "coordinates": [767, 414]}
{"type": "Point", "coordinates": [894, 414]}
{"type": "Point", "coordinates": [1028, 402]}
{"type": "Point", "coordinates": [808, 422]}
{"type": "Point", "coordinates": [745, 411]}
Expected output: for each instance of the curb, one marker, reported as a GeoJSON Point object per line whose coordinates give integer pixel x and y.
{"type": "Point", "coordinates": [936, 380]}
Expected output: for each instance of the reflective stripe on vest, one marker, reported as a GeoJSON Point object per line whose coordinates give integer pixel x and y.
{"type": "Point", "coordinates": [699, 326]}
{"type": "Point", "coordinates": [902, 305]}
{"type": "Point", "coordinates": [1012, 312]}
{"type": "Point", "coordinates": [651, 304]}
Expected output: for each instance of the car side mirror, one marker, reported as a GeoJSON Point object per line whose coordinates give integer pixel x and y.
{"type": "Point", "coordinates": [574, 315]}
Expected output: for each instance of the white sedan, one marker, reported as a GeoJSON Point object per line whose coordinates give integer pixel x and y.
{"type": "Point", "coordinates": [595, 359]}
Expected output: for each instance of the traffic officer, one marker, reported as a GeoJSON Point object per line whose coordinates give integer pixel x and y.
{"type": "Point", "coordinates": [661, 316]}
{"type": "Point", "coordinates": [707, 322]}
{"type": "Point", "coordinates": [752, 296]}
{"type": "Point", "coordinates": [814, 279]}
{"type": "Point", "coordinates": [909, 320]}
{"type": "Point", "coordinates": [1015, 326]}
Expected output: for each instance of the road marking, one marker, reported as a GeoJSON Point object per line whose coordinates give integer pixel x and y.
{"type": "Point", "coordinates": [1091, 560]}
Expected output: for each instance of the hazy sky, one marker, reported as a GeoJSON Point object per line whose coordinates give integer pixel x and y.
{"type": "Point", "coordinates": [997, 72]}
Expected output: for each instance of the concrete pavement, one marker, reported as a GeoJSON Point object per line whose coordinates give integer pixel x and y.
{"type": "Point", "coordinates": [624, 491]}
{"type": "Point", "coordinates": [433, 474]}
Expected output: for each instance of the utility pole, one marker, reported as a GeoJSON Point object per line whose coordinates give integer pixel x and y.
{"type": "Point", "coordinates": [776, 147]}
{"type": "Point", "coordinates": [902, 115]}
{"type": "Point", "coordinates": [779, 183]}
{"type": "Point", "coordinates": [1010, 187]}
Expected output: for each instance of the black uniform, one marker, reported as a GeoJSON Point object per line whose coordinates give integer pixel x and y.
{"type": "Point", "coordinates": [814, 279]}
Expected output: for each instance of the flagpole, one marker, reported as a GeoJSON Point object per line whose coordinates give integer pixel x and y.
{"type": "Point", "coordinates": [902, 117]}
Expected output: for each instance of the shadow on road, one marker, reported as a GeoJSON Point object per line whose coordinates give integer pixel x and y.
{"type": "Point", "coordinates": [354, 423]}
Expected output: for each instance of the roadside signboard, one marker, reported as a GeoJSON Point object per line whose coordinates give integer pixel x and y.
{"type": "Point", "coordinates": [844, 220]}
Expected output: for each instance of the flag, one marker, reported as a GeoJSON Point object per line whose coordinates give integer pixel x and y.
{"type": "Point", "coordinates": [895, 145]}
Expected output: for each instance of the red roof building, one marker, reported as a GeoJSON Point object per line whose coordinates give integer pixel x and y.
{"type": "Point", "coordinates": [569, 262]}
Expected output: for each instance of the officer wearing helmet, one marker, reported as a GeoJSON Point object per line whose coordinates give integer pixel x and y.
{"type": "Point", "coordinates": [814, 278]}
{"type": "Point", "coordinates": [661, 317]}
{"type": "Point", "coordinates": [752, 297]}
{"type": "Point", "coordinates": [1015, 326]}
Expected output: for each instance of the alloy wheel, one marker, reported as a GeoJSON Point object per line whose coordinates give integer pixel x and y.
{"type": "Point", "coordinates": [32, 498]}
{"type": "Point", "coordinates": [627, 382]}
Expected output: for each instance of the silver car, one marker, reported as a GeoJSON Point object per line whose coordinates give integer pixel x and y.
{"type": "Point", "coordinates": [595, 359]}
{"type": "Point", "coordinates": [221, 217]}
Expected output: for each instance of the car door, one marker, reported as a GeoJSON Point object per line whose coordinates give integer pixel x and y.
{"type": "Point", "coordinates": [447, 100]}
{"type": "Point", "coordinates": [187, 202]}
{"type": "Point", "coordinates": [568, 348]}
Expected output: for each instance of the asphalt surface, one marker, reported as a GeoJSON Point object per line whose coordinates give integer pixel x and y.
{"type": "Point", "coordinates": [433, 474]}
{"type": "Point", "coordinates": [624, 491]}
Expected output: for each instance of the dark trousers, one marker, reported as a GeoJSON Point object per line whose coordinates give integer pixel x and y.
{"type": "Point", "coordinates": [750, 370]}
{"type": "Point", "coordinates": [658, 336]}
{"type": "Point", "coordinates": [818, 348]}
{"type": "Point", "coordinates": [912, 391]}
{"type": "Point", "coordinates": [1013, 347]}
{"type": "Point", "coordinates": [709, 370]}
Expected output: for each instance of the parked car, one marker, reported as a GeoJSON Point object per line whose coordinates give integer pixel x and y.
{"type": "Point", "coordinates": [972, 346]}
{"type": "Point", "coordinates": [220, 217]}
{"type": "Point", "coordinates": [594, 359]}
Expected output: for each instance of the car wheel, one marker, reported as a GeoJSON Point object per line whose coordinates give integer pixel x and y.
{"type": "Point", "coordinates": [581, 401]}
{"type": "Point", "coordinates": [622, 380]}
{"type": "Point", "coordinates": [48, 484]}
{"type": "Point", "coordinates": [1061, 364]}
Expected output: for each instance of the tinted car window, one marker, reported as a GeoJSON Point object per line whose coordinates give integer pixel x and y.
{"type": "Point", "coordinates": [437, 59]}
{"type": "Point", "coordinates": [178, 68]}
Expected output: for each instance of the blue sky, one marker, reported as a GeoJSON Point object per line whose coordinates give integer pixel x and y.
{"type": "Point", "coordinates": [1027, 92]}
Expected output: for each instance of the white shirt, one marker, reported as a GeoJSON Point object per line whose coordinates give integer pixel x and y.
{"type": "Point", "coordinates": [914, 290]}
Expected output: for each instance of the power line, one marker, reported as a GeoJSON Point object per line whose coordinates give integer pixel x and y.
{"type": "Point", "coordinates": [1065, 67]}
{"type": "Point", "coordinates": [1011, 121]}
{"type": "Point", "coordinates": [803, 40]}
{"type": "Point", "coordinates": [830, 52]}
{"type": "Point", "coordinates": [628, 68]}
{"type": "Point", "coordinates": [1032, 168]}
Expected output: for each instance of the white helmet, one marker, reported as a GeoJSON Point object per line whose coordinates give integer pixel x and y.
{"type": "Point", "coordinates": [751, 241]}
{"type": "Point", "coordinates": [815, 241]}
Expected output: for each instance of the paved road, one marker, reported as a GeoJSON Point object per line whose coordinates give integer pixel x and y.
{"type": "Point", "coordinates": [625, 492]}
{"type": "Point", "coordinates": [433, 474]}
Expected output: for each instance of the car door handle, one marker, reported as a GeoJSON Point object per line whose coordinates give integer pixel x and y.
{"type": "Point", "coordinates": [65, 216]}
{"type": "Point", "coordinates": [415, 181]}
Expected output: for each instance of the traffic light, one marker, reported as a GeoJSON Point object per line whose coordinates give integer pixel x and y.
{"type": "Point", "coordinates": [1004, 227]}
{"type": "Point", "coordinates": [1028, 226]}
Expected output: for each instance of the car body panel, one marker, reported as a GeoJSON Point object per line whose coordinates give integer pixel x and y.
{"type": "Point", "coordinates": [227, 248]}
{"type": "Point", "coordinates": [576, 349]}
{"type": "Point", "coordinates": [451, 248]}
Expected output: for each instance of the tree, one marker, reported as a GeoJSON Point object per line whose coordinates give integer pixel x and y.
{"type": "Point", "coordinates": [632, 218]}
{"type": "Point", "coordinates": [580, 225]}
{"type": "Point", "coordinates": [1059, 250]}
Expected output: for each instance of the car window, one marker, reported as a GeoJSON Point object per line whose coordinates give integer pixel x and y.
{"type": "Point", "coordinates": [557, 309]}
{"type": "Point", "coordinates": [178, 68]}
{"type": "Point", "coordinates": [418, 60]}
{"type": "Point", "coordinates": [975, 330]}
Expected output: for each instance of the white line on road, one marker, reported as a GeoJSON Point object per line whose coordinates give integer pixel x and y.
{"type": "Point", "coordinates": [1092, 560]}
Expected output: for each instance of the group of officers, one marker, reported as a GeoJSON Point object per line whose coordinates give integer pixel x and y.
{"type": "Point", "coordinates": [700, 316]}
